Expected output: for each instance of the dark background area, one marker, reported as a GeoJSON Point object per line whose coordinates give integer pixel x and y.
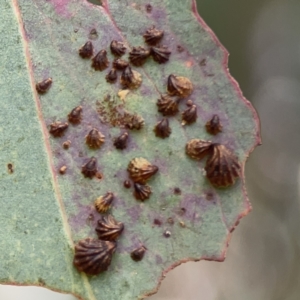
{"type": "Point", "coordinates": [263, 260]}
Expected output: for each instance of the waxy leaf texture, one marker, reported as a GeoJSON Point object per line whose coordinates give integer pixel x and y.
{"type": "Point", "coordinates": [47, 205]}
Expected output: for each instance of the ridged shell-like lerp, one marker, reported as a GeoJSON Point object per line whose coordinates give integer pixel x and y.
{"type": "Point", "coordinates": [222, 167]}
{"type": "Point", "coordinates": [141, 170]}
{"type": "Point", "coordinates": [93, 256]}
{"type": "Point", "coordinates": [108, 228]}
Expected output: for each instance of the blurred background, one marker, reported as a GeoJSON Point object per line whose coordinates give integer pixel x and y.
{"type": "Point", "coordinates": [263, 260]}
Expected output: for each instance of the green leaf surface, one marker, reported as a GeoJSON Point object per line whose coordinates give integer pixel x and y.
{"type": "Point", "coordinates": [44, 213]}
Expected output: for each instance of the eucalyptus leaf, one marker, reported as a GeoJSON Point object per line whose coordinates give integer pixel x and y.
{"type": "Point", "coordinates": [44, 213]}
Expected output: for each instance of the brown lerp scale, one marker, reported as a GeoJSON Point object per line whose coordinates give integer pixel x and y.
{"type": "Point", "coordinates": [138, 56]}
{"type": "Point", "coordinates": [141, 170]}
{"type": "Point", "coordinates": [57, 129]}
{"type": "Point", "coordinates": [121, 141]}
{"type": "Point", "coordinates": [189, 116]}
{"type": "Point", "coordinates": [162, 128]}
{"type": "Point", "coordinates": [108, 228]}
{"type": "Point", "coordinates": [43, 86]}
{"type": "Point", "coordinates": [198, 149]}
{"type": "Point", "coordinates": [87, 50]}
{"type": "Point", "coordinates": [167, 106]}
{"type": "Point", "coordinates": [138, 253]}
{"type": "Point", "coordinates": [93, 256]}
{"type": "Point", "coordinates": [160, 54]}
{"type": "Point", "coordinates": [153, 36]}
{"type": "Point", "coordinates": [112, 76]}
{"type": "Point", "coordinates": [89, 169]}
{"type": "Point", "coordinates": [95, 139]}
{"type": "Point", "coordinates": [117, 48]}
{"type": "Point", "coordinates": [131, 79]}
{"type": "Point", "coordinates": [100, 61]}
{"type": "Point", "coordinates": [222, 167]}
{"type": "Point", "coordinates": [120, 64]}
{"type": "Point", "coordinates": [103, 203]}
{"type": "Point", "coordinates": [179, 86]}
{"type": "Point", "coordinates": [214, 125]}
{"type": "Point", "coordinates": [75, 115]}
{"type": "Point", "coordinates": [142, 192]}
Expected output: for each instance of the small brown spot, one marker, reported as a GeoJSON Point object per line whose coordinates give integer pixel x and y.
{"type": "Point", "coordinates": [91, 217]}
{"type": "Point", "coordinates": [160, 54]}
{"type": "Point", "coordinates": [177, 191]}
{"type": "Point", "coordinates": [63, 170]}
{"type": "Point", "coordinates": [138, 253]}
{"type": "Point", "coordinates": [90, 168]}
{"type": "Point", "coordinates": [99, 175]}
{"type": "Point", "coordinates": [75, 115]}
{"type": "Point", "coordinates": [10, 168]}
{"type": "Point", "coordinates": [141, 192]}
{"type": "Point", "coordinates": [157, 222]}
{"type": "Point", "coordinates": [209, 196]}
{"type": "Point", "coordinates": [93, 256]}
{"type": "Point", "coordinates": [121, 141]}
{"type": "Point", "coordinates": [57, 129]}
{"type": "Point", "coordinates": [117, 48]}
{"type": "Point", "coordinates": [170, 221]}
{"type": "Point", "coordinates": [87, 50]}
{"type": "Point", "coordinates": [100, 61]}
{"type": "Point", "coordinates": [198, 149]}
{"type": "Point", "coordinates": [167, 233]}
{"type": "Point", "coordinates": [167, 106]}
{"type": "Point", "coordinates": [67, 144]}
{"type": "Point", "coordinates": [141, 170]}
{"type": "Point", "coordinates": [181, 211]}
{"type": "Point", "coordinates": [162, 128]}
{"type": "Point", "coordinates": [153, 36]}
{"type": "Point", "coordinates": [130, 78]}
{"type": "Point", "coordinates": [108, 228]}
{"type": "Point", "coordinates": [95, 139]}
{"type": "Point", "coordinates": [189, 116]}
{"type": "Point", "coordinates": [103, 203]}
{"type": "Point", "coordinates": [93, 35]}
{"type": "Point", "coordinates": [180, 48]}
{"type": "Point", "coordinates": [43, 86]}
{"type": "Point", "coordinates": [120, 64]}
{"type": "Point", "coordinates": [202, 62]}
{"type": "Point", "coordinates": [214, 126]}
{"type": "Point", "coordinates": [189, 103]}
{"type": "Point", "coordinates": [138, 56]}
{"type": "Point", "coordinates": [112, 76]}
{"type": "Point", "coordinates": [222, 167]}
{"type": "Point", "coordinates": [148, 8]}
{"type": "Point", "coordinates": [127, 184]}
{"type": "Point", "coordinates": [179, 86]}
